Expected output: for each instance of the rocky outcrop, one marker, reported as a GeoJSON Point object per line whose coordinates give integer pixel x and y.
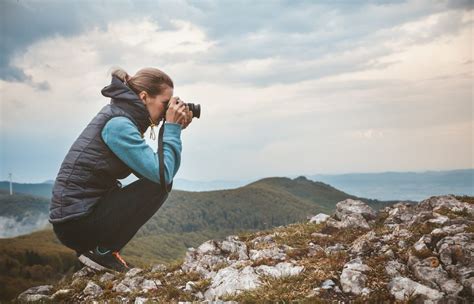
{"type": "Point", "coordinates": [405, 252]}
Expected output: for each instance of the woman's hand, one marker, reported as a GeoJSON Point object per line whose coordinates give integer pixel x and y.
{"type": "Point", "coordinates": [188, 118]}
{"type": "Point", "coordinates": [178, 112]}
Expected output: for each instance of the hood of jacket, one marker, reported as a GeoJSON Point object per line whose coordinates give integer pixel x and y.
{"type": "Point", "coordinates": [123, 97]}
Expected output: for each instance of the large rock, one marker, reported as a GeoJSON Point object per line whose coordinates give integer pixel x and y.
{"type": "Point", "coordinates": [446, 202]}
{"type": "Point", "coordinates": [350, 206]}
{"type": "Point", "coordinates": [354, 220]}
{"type": "Point", "coordinates": [430, 272]}
{"type": "Point", "coordinates": [36, 293]}
{"type": "Point", "coordinates": [404, 288]}
{"type": "Point", "coordinates": [230, 280]}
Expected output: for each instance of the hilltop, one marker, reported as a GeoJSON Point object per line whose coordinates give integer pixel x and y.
{"type": "Point", "coordinates": [402, 252]}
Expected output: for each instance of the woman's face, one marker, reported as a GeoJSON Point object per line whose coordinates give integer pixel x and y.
{"type": "Point", "coordinates": [157, 105]}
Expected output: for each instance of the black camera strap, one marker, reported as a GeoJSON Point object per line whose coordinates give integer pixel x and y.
{"type": "Point", "coordinates": [161, 158]}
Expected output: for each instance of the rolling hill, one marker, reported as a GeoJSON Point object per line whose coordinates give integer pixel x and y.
{"type": "Point", "coordinates": [185, 220]}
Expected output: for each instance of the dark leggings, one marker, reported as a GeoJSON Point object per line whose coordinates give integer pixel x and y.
{"type": "Point", "coordinates": [115, 219]}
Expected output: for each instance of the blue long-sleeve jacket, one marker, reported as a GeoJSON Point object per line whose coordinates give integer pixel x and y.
{"type": "Point", "coordinates": [124, 139]}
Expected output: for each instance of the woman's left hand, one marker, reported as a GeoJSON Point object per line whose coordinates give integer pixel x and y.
{"type": "Point", "coordinates": [187, 119]}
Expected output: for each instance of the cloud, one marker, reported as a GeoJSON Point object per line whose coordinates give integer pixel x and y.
{"type": "Point", "coordinates": [282, 92]}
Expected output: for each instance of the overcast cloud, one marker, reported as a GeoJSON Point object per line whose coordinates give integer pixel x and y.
{"type": "Point", "coordinates": [286, 87]}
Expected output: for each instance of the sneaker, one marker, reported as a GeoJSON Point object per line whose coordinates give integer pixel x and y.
{"type": "Point", "coordinates": [109, 261]}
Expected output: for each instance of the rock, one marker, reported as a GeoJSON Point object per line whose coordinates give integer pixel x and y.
{"type": "Point", "coordinates": [120, 287]}
{"type": "Point", "coordinates": [264, 239]}
{"type": "Point", "coordinates": [320, 235]}
{"type": "Point", "coordinates": [353, 278]}
{"type": "Point", "coordinates": [403, 288]}
{"type": "Point", "coordinates": [439, 219]}
{"type": "Point", "coordinates": [83, 272]}
{"type": "Point", "coordinates": [421, 246]}
{"type": "Point", "coordinates": [446, 202]}
{"type": "Point", "coordinates": [232, 281]}
{"type": "Point", "coordinates": [236, 247]}
{"type": "Point", "coordinates": [158, 268]}
{"type": "Point", "coordinates": [430, 272]}
{"type": "Point", "coordinates": [395, 269]}
{"type": "Point", "coordinates": [328, 284]}
{"type": "Point", "coordinates": [35, 293]}
{"type": "Point", "coordinates": [148, 285]}
{"type": "Point", "coordinates": [61, 294]}
{"type": "Point", "coordinates": [92, 289]}
{"type": "Point", "coordinates": [314, 249]}
{"type": "Point", "coordinates": [363, 243]}
{"type": "Point", "coordinates": [448, 230]}
{"type": "Point", "coordinates": [274, 253]}
{"type": "Point", "coordinates": [335, 248]}
{"type": "Point", "coordinates": [279, 270]}
{"type": "Point", "coordinates": [456, 249]}
{"type": "Point", "coordinates": [203, 264]}
{"type": "Point", "coordinates": [209, 247]}
{"type": "Point", "coordinates": [133, 272]}
{"type": "Point", "coordinates": [354, 220]}
{"type": "Point", "coordinates": [140, 300]}
{"type": "Point", "coordinates": [350, 206]}
{"type": "Point", "coordinates": [319, 218]}
{"type": "Point", "coordinates": [106, 277]}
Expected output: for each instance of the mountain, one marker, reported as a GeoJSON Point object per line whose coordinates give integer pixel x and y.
{"type": "Point", "coordinates": [190, 185]}
{"type": "Point", "coordinates": [383, 185]}
{"type": "Point", "coordinates": [403, 253]}
{"type": "Point", "coordinates": [41, 189]}
{"type": "Point", "coordinates": [402, 185]}
{"type": "Point", "coordinates": [188, 218]}
{"type": "Point", "coordinates": [22, 213]}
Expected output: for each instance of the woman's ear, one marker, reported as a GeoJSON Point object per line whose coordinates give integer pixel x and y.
{"type": "Point", "coordinates": [143, 96]}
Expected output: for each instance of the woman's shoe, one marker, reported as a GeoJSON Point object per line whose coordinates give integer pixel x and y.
{"type": "Point", "coordinates": [108, 261]}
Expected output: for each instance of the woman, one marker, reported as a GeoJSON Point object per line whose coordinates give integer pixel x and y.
{"type": "Point", "coordinates": [90, 211]}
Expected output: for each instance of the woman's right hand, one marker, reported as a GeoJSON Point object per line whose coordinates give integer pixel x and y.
{"type": "Point", "coordinates": [176, 112]}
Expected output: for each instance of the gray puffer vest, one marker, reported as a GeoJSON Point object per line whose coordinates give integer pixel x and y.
{"type": "Point", "coordinates": [90, 169]}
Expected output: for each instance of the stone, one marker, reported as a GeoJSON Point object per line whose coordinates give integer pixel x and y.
{"type": "Point", "coordinates": [61, 293]}
{"type": "Point", "coordinates": [274, 253]}
{"type": "Point", "coordinates": [279, 270]}
{"type": "Point", "coordinates": [353, 277]}
{"type": "Point", "coordinates": [158, 268]}
{"type": "Point", "coordinates": [106, 277]}
{"type": "Point", "coordinates": [133, 272]}
{"type": "Point", "coordinates": [83, 272]}
{"type": "Point", "coordinates": [230, 280]}
{"type": "Point", "coordinates": [319, 218]}
{"type": "Point", "coordinates": [148, 285]}
{"type": "Point", "coordinates": [403, 288]}
{"type": "Point", "coordinates": [350, 206]}
{"type": "Point", "coordinates": [328, 284]}
{"type": "Point", "coordinates": [92, 289]}
{"type": "Point", "coordinates": [430, 272]}
{"type": "Point", "coordinates": [334, 249]}
{"type": "Point", "coordinates": [236, 247]}
{"type": "Point", "coordinates": [35, 293]}
{"type": "Point", "coordinates": [395, 269]}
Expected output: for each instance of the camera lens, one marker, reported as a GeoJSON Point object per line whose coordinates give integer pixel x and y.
{"type": "Point", "coordinates": [196, 109]}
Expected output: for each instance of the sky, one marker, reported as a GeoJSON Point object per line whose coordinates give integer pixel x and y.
{"type": "Point", "coordinates": [285, 87]}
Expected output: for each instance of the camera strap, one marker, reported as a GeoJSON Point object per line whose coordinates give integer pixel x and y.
{"type": "Point", "coordinates": [161, 159]}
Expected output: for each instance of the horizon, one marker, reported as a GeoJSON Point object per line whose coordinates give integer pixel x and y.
{"type": "Point", "coordinates": [291, 176]}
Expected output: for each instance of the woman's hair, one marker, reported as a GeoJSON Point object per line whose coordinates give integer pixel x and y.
{"type": "Point", "coordinates": [150, 80]}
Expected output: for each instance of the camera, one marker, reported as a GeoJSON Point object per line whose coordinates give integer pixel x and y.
{"type": "Point", "coordinates": [194, 108]}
